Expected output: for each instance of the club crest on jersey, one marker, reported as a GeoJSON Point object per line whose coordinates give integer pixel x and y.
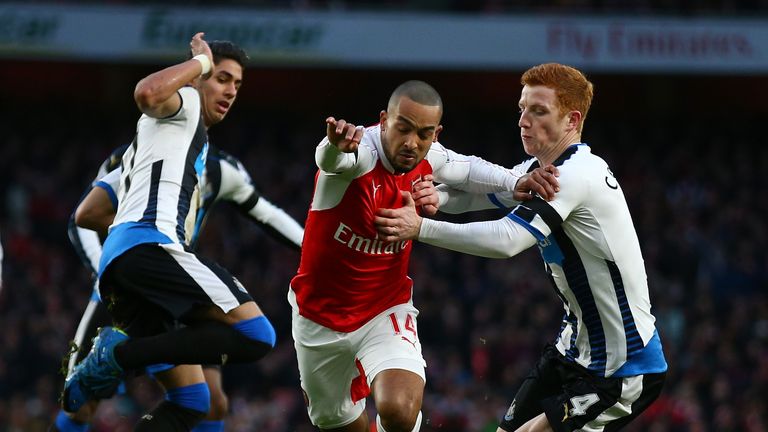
{"type": "Point", "coordinates": [372, 246]}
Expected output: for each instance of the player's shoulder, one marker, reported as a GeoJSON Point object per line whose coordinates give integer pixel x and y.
{"type": "Point", "coordinates": [217, 154]}
{"type": "Point", "coordinates": [437, 155]}
{"type": "Point", "coordinates": [438, 148]}
{"type": "Point", "coordinates": [579, 160]}
{"type": "Point", "coordinates": [581, 171]}
{"type": "Point", "coordinates": [232, 170]}
{"type": "Point", "coordinates": [188, 91]}
{"type": "Point", "coordinates": [371, 141]}
{"type": "Point", "coordinates": [112, 162]}
{"type": "Point", "coordinates": [371, 135]}
{"type": "Point", "coordinates": [190, 100]}
{"type": "Point", "coordinates": [116, 157]}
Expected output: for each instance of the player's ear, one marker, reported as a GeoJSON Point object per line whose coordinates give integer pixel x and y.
{"type": "Point", "coordinates": [437, 132]}
{"type": "Point", "coordinates": [383, 120]}
{"type": "Point", "coordinates": [574, 118]}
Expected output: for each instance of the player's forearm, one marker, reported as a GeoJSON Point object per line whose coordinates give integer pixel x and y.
{"type": "Point", "coordinates": [487, 177]}
{"type": "Point", "coordinates": [330, 159]}
{"type": "Point", "coordinates": [474, 174]}
{"type": "Point", "coordinates": [280, 222]}
{"type": "Point", "coordinates": [454, 201]}
{"type": "Point", "coordinates": [155, 94]}
{"type": "Point", "coordinates": [492, 239]}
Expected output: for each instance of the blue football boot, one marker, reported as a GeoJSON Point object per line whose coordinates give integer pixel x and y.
{"type": "Point", "coordinates": [98, 375]}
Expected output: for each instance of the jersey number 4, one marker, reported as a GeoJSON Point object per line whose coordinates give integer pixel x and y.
{"type": "Point", "coordinates": [409, 325]}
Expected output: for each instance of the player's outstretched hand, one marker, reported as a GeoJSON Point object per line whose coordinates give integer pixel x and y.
{"type": "Point", "coordinates": [425, 195]}
{"type": "Point", "coordinates": [541, 181]}
{"type": "Point", "coordinates": [399, 224]}
{"type": "Point", "coordinates": [345, 136]}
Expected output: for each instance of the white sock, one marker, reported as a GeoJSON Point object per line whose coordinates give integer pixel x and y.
{"type": "Point", "coordinates": [416, 428]}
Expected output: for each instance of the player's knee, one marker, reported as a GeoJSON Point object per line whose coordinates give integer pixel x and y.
{"type": "Point", "coordinates": [259, 331]}
{"type": "Point", "coordinates": [194, 397]}
{"type": "Point", "coordinates": [398, 414]}
{"type": "Point", "coordinates": [219, 405]}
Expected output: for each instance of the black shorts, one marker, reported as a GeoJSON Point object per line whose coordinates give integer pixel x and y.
{"type": "Point", "coordinates": [571, 397]}
{"type": "Point", "coordinates": [151, 288]}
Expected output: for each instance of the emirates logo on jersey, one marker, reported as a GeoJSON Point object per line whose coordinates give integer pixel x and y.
{"type": "Point", "coordinates": [372, 246]}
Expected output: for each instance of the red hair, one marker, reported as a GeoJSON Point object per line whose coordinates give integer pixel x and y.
{"type": "Point", "coordinates": [572, 89]}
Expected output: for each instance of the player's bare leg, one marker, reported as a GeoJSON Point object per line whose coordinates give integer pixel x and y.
{"type": "Point", "coordinates": [219, 401]}
{"type": "Point", "coordinates": [187, 401]}
{"type": "Point", "coordinates": [398, 396]}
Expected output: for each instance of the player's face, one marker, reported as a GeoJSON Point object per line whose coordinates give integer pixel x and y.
{"type": "Point", "coordinates": [218, 92]}
{"type": "Point", "coordinates": [542, 126]}
{"type": "Point", "coordinates": [408, 131]}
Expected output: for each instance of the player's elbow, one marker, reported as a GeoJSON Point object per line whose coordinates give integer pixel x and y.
{"type": "Point", "coordinates": [86, 217]}
{"type": "Point", "coordinates": [507, 253]}
{"type": "Point", "coordinates": [500, 253]}
{"type": "Point", "coordinates": [146, 97]}
{"type": "Point", "coordinates": [93, 218]}
{"type": "Point", "coordinates": [143, 98]}
{"type": "Point", "coordinates": [324, 163]}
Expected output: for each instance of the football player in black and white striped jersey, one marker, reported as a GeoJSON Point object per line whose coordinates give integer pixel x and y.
{"type": "Point", "coordinates": [606, 364]}
{"type": "Point", "coordinates": [225, 180]}
{"type": "Point", "coordinates": [147, 274]}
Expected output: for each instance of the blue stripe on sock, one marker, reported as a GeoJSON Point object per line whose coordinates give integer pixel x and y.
{"type": "Point", "coordinates": [259, 329]}
{"type": "Point", "coordinates": [196, 397]}
{"type": "Point", "coordinates": [209, 426]}
{"type": "Point", "coordinates": [66, 424]}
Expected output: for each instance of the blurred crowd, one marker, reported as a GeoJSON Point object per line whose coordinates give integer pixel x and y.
{"type": "Point", "coordinates": [697, 195]}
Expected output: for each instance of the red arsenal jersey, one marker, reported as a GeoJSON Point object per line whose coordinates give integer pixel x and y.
{"type": "Point", "coordinates": [347, 275]}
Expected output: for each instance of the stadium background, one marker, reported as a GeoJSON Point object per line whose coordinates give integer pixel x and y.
{"type": "Point", "coordinates": [687, 146]}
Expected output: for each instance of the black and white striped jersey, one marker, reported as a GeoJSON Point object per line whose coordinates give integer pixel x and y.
{"type": "Point", "coordinates": [591, 253]}
{"type": "Point", "coordinates": [226, 179]}
{"type": "Point", "coordinates": [159, 189]}
{"type": "Point", "coordinates": [87, 243]}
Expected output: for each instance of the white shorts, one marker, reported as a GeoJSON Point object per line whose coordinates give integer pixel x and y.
{"type": "Point", "coordinates": [337, 368]}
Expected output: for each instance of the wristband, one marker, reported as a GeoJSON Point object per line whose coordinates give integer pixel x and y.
{"type": "Point", "coordinates": [205, 62]}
